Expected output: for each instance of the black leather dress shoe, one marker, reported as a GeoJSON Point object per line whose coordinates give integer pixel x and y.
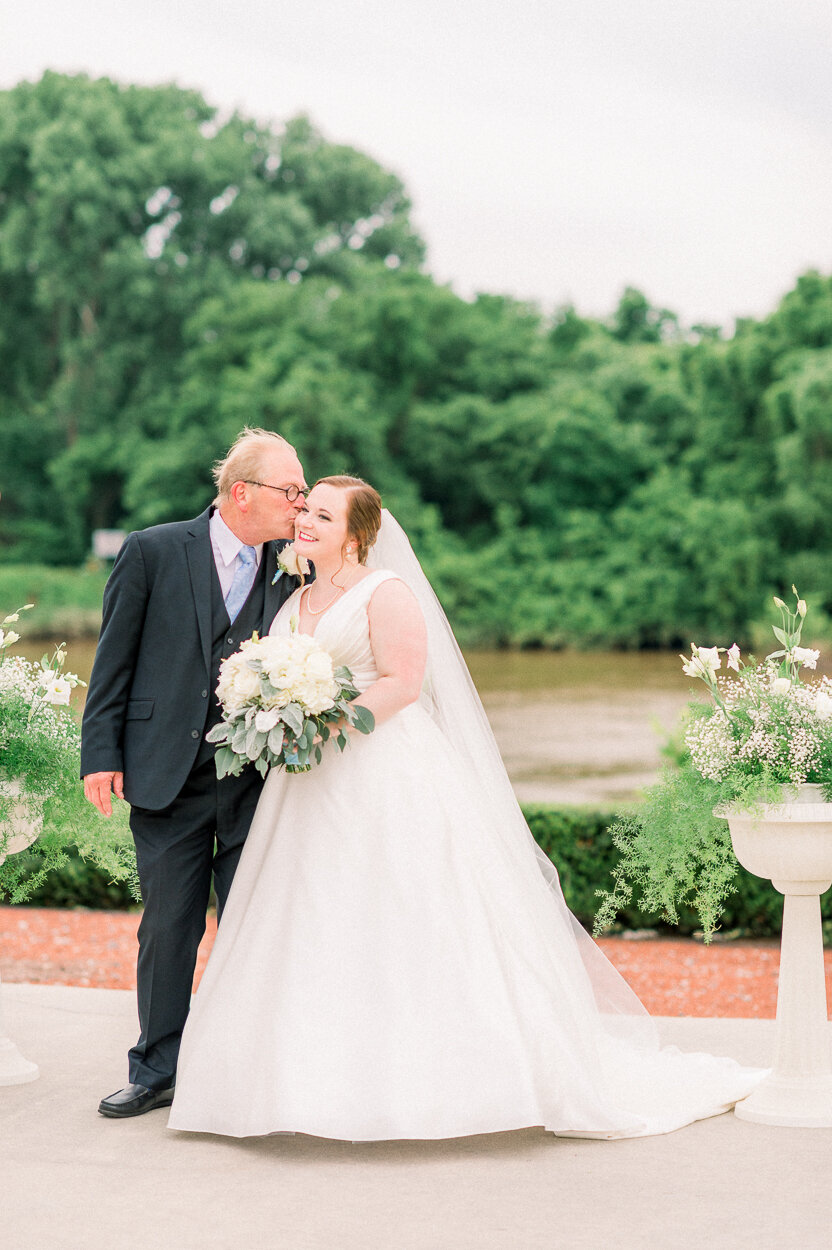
{"type": "Point", "coordinates": [135, 1100]}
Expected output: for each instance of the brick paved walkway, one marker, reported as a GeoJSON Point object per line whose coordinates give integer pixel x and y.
{"type": "Point", "coordinates": [672, 976]}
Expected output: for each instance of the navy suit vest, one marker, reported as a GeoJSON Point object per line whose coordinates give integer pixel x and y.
{"type": "Point", "coordinates": [226, 639]}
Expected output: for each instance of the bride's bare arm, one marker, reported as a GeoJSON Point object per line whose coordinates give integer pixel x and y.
{"type": "Point", "coordinates": [399, 642]}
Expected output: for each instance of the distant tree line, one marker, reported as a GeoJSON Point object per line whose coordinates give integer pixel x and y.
{"type": "Point", "coordinates": [168, 275]}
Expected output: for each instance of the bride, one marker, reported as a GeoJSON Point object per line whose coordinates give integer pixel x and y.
{"type": "Point", "coordinates": [395, 959]}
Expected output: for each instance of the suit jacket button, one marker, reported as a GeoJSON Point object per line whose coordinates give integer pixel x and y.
{"type": "Point", "coordinates": [230, 642]}
{"type": "Point", "coordinates": [194, 733]}
{"type": "Point", "coordinates": [205, 694]}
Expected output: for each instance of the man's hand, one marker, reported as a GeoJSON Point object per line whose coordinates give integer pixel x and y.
{"type": "Point", "coordinates": [99, 786]}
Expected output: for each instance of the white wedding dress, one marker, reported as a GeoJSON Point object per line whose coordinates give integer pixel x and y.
{"type": "Point", "coordinates": [391, 965]}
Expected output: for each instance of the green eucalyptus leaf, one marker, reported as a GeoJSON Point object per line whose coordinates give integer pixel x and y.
{"type": "Point", "coordinates": [226, 763]}
{"type": "Point", "coordinates": [363, 719]}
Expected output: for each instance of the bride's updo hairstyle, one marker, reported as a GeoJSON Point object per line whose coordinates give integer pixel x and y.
{"type": "Point", "coordinates": [363, 510]}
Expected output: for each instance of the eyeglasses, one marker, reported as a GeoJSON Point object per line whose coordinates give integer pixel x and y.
{"type": "Point", "coordinates": [291, 492]}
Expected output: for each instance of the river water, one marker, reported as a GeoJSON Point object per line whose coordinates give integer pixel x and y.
{"type": "Point", "coordinates": [582, 728]}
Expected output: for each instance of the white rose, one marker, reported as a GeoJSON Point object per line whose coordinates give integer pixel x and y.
{"type": "Point", "coordinates": [291, 562]}
{"type": "Point", "coordinates": [300, 646]}
{"type": "Point", "coordinates": [246, 682]}
{"type": "Point", "coordinates": [271, 647]}
{"type": "Point", "coordinates": [319, 666]}
{"type": "Point", "coordinates": [238, 681]}
{"type": "Point", "coordinates": [781, 685]}
{"type": "Point", "coordinates": [316, 697]}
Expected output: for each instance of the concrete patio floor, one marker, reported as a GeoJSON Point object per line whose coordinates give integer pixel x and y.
{"type": "Point", "coordinates": [72, 1180]}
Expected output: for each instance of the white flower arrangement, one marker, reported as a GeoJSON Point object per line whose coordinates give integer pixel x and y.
{"type": "Point", "coordinates": [282, 700]}
{"type": "Point", "coordinates": [766, 721]}
{"type": "Point", "coordinates": [38, 739]}
{"type": "Point", "coordinates": [43, 811]}
{"type": "Point", "coordinates": [764, 731]}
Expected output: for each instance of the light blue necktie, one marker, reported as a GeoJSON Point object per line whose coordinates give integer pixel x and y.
{"type": "Point", "coordinates": [242, 583]}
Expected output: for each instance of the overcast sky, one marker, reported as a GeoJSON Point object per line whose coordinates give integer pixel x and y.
{"type": "Point", "coordinates": [554, 149]}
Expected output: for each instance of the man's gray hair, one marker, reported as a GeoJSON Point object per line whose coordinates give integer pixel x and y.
{"type": "Point", "coordinates": [245, 455]}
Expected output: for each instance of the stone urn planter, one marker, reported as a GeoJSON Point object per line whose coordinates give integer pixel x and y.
{"type": "Point", "coordinates": [19, 826]}
{"type": "Point", "coordinates": [791, 845]}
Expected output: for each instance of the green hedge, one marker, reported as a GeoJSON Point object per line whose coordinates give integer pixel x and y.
{"type": "Point", "coordinates": [578, 842]}
{"type": "Point", "coordinates": [79, 883]}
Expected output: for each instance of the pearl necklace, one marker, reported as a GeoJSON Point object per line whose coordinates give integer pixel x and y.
{"type": "Point", "coordinates": [320, 611]}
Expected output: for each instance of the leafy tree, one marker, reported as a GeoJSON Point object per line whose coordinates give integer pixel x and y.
{"type": "Point", "coordinates": [122, 210]}
{"type": "Point", "coordinates": [170, 274]}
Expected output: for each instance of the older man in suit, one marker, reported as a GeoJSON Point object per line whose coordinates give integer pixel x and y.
{"type": "Point", "coordinates": [181, 597]}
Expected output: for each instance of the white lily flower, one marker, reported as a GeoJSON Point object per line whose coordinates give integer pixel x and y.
{"type": "Point", "coordinates": [710, 657]}
{"type": "Point", "coordinates": [58, 691]}
{"type": "Point", "coordinates": [804, 656]}
{"type": "Point", "coordinates": [702, 662]}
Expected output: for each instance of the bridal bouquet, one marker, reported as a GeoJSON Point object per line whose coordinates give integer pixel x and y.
{"type": "Point", "coordinates": [764, 732]}
{"type": "Point", "coordinates": [283, 699]}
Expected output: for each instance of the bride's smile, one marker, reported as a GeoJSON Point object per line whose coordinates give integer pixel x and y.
{"type": "Point", "coordinates": [321, 528]}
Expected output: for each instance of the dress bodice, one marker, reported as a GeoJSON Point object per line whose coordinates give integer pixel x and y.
{"type": "Point", "coordinates": [344, 629]}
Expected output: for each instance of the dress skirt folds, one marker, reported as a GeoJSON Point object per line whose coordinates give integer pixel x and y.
{"type": "Point", "coordinates": [384, 970]}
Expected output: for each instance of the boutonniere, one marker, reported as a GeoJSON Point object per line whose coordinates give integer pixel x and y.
{"type": "Point", "coordinates": [288, 561]}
